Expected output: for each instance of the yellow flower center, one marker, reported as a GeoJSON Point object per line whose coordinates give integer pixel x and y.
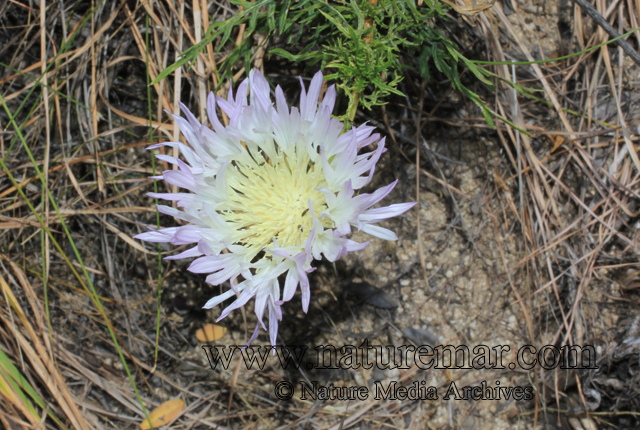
{"type": "Point", "coordinates": [270, 200]}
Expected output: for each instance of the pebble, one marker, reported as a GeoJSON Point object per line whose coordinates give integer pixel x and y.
{"type": "Point", "coordinates": [449, 274]}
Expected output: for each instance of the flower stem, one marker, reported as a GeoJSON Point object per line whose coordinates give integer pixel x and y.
{"type": "Point", "coordinates": [353, 105]}
{"type": "Point", "coordinates": [355, 97]}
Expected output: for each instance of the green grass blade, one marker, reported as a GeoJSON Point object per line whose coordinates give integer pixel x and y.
{"type": "Point", "coordinates": [20, 383]}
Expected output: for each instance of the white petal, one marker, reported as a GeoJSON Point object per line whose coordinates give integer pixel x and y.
{"type": "Point", "coordinates": [379, 214]}
{"type": "Point", "coordinates": [189, 253]}
{"type": "Point", "coordinates": [218, 299]}
{"type": "Point", "coordinates": [380, 232]}
{"type": "Point", "coordinates": [163, 236]}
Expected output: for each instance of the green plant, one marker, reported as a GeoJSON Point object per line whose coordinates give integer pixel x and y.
{"type": "Point", "coordinates": [357, 43]}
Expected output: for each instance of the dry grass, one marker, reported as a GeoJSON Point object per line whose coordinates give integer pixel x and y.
{"type": "Point", "coordinates": [83, 342]}
{"type": "Point", "coordinates": [576, 201]}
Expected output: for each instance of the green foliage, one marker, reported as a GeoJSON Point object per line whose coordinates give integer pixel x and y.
{"type": "Point", "coordinates": [355, 43]}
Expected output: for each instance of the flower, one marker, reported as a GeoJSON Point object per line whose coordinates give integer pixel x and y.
{"type": "Point", "coordinates": [270, 193]}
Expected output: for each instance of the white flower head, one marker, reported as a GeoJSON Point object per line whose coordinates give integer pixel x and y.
{"type": "Point", "coordinates": [271, 192]}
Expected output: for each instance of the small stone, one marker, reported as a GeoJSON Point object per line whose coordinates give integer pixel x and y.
{"type": "Point", "coordinates": [511, 411]}
{"type": "Point", "coordinates": [469, 423]}
{"type": "Point", "coordinates": [390, 246]}
{"type": "Point", "coordinates": [449, 274]}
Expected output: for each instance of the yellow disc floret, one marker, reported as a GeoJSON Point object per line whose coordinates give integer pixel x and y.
{"type": "Point", "coordinates": [270, 200]}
